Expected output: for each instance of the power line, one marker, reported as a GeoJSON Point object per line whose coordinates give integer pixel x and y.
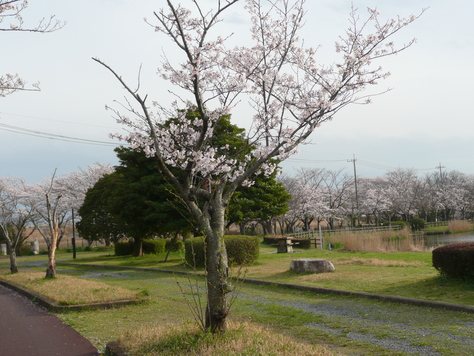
{"type": "Point", "coordinates": [51, 136]}
{"type": "Point", "coordinates": [362, 162]}
{"type": "Point", "coordinates": [51, 120]}
{"type": "Point", "coordinates": [314, 161]}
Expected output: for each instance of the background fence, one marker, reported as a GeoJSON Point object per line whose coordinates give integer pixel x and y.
{"type": "Point", "coordinates": [325, 233]}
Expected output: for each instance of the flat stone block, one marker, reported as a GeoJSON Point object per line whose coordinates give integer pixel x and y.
{"type": "Point", "coordinates": [312, 265]}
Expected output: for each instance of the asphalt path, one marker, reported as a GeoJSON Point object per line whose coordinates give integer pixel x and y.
{"type": "Point", "coordinates": [27, 329]}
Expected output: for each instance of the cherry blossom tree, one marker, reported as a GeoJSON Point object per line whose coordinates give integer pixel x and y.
{"type": "Point", "coordinates": [290, 93]}
{"type": "Point", "coordinates": [337, 191]}
{"type": "Point", "coordinates": [373, 198]}
{"type": "Point", "coordinates": [53, 201]}
{"type": "Point", "coordinates": [48, 219]}
{"type": "Point", "coordinates": [307, 201]}
{"type": "Point", "coordinates": [403, 192]}
{"type": "Point", "coordinates": [76, 183]}
{"type": "Point", "coordinates": [74, 186]}
{"type": "Point", "coordinates": [15, 214]}
{"type": "Point", "coordinates": [11, 20]}
{"type": "Point", "coordinates": [468, 197]}
{"type": "Point", "coordinates": [289, 220]}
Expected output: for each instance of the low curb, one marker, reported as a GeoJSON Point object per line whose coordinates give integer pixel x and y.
{"type": "Point", "coordinates": [58, 308]}
{"type": "Point", "coordinates": [387, 298]}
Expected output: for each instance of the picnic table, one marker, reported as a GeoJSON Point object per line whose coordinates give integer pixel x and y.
{"type": "Point", "coordinates": [285, 244]}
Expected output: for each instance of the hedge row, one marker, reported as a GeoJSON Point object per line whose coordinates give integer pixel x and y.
{"type": "Point", "coordinates": [241, 250]}
{"type": "Point", "coordinates": [156, 247]}
{"type": "Point", "coordinates": [455, 261]}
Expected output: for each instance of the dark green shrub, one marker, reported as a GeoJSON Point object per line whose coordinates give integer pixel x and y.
{"type": "Point", "coordinates": [123, 248]}
{"type": "Point", "coordinates": [241, 249]}
{"type": "Point", "coordinates": [455, 261]}
{"type": "Point", "coordinates": [174, 245]}
{"type": "Point", "coordinates": [24, 250]}
{"type": "Point", "coordinates": [155, 246]}
{"type": "Point", "coordinates": [417, 224]}
{"type": "Point", "coordinates": [102, 248]}
{"type": "Point", "coordinates": [151, 246]}
{"type": "Point", "coordinates": [88, 248]}
{"type": "Point", "coordinates": [194, 252]}
{"type": "Point", "coordinates": [269, 240]}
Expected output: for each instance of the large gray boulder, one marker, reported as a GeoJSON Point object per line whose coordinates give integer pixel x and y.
{"type": "Point", "coordinates": [312, 265]}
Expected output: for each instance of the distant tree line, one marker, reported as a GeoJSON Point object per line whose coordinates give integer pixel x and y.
{"type": "Point", "coordinates": [319, 195]}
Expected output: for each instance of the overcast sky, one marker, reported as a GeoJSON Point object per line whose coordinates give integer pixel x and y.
{"type": "Point", "coordinates": [424, 121]}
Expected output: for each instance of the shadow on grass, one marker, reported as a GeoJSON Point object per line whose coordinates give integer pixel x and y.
{"type": "Point", "coordinates": [438, 288]}
{"type": "Point", "coordinates": [288, 276]}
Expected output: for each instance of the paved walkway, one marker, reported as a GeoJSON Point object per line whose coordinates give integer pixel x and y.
{"type": "Point", "coordinates": [28, 330]}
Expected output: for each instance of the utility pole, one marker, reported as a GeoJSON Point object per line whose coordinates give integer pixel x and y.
{"type": "Point", "coordinates": [73, 236]}
{"type": "Point", "coordinates": [441, 185]}
{"type": "Point", "coordinates": [353, 160]}
{"type": "Point", "coordinates": [440, 167]}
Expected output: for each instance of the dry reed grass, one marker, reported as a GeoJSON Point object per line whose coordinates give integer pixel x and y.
{"type": "Point", "coordinates": [385, 241]}
{"type": "Point", "coordinates": [460, 225]}
{"type": "Point", "coordinates": [240, 339]}
{"type": "Point", "coordinates": [67, 290]}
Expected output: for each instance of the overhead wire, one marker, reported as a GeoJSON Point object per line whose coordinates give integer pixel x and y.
{"type": "Point", "coordinates": [362, 162]}
{"type": "Point", "coordinates": [47, 135]}
{"type": "Point", "coordinates": [52, 120]}
{"type": "Point", "coordinates": [315, 161]}
{"type": "Point", "coordinates": [51, 136]}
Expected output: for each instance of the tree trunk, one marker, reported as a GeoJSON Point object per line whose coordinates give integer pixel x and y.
{"type": "Point", "coordinates": [51, 269]}
{"type": "Point", "coordinates": [137, 247]}
{"type": "Point", "coordinates": [167, 254]}
{"type": "Point", "coordinates": [217, 269]}
{"type": "Point", "coordinates": [331, 223]}
{"type": "Point", "coordinates": [217, 288]}
{"type": "Point", "coordinates": [12, 253]}
{"type": "Point", "coordinates": [242, 228]}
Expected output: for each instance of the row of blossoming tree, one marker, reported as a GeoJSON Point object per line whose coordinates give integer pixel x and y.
{"type": "Point", "coordinates": [45, 207]}
{"type": "Point", "coordinates": [330, 196]}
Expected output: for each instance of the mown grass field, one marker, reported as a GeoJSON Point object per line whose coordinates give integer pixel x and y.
{"type": "Point", "coordinates": [405, 274]}
{"type": "Point", "coordinates": [145, 328]}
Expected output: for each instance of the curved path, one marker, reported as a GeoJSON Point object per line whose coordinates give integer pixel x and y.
{"type": "Point", "coordinates": [29, 330]}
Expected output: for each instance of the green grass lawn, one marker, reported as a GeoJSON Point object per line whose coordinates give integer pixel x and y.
{"type": "Point", "coordinates": [407, 274]}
